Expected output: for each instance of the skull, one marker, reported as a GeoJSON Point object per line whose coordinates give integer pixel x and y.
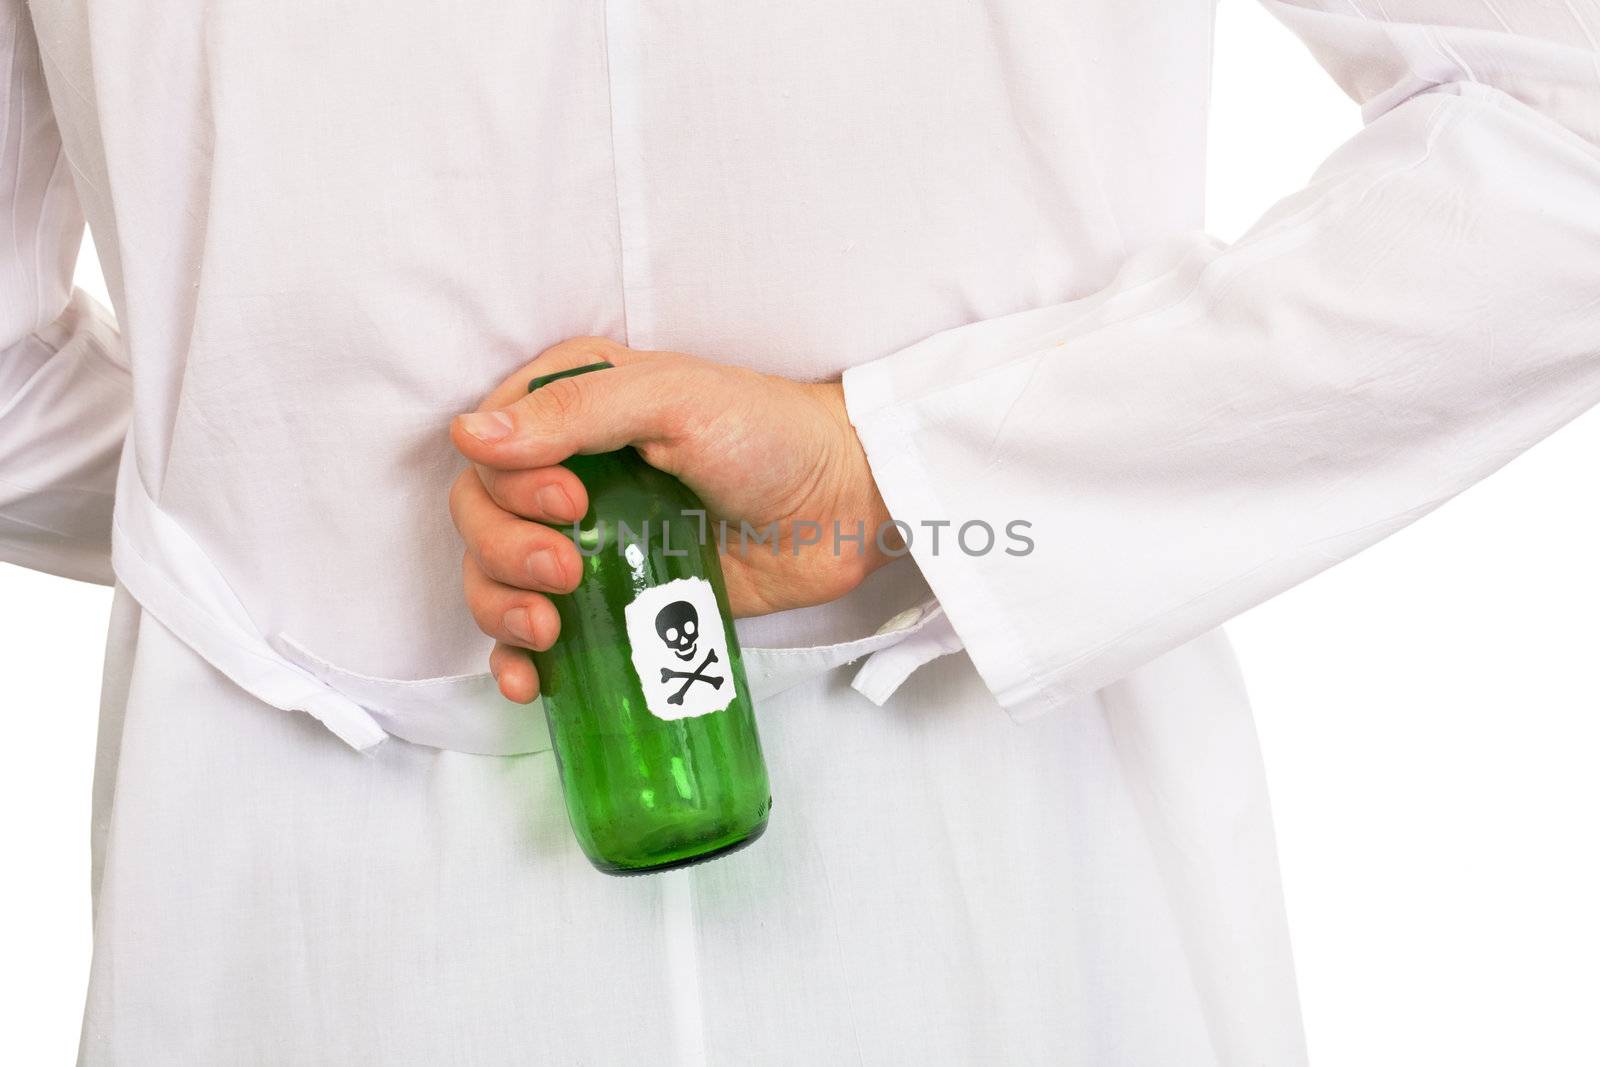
{"type": "Point", "coordinates": [678, 625]}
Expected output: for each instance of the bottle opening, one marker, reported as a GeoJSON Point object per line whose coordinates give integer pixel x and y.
{"type": "Point", "coordinates": [546, 379]}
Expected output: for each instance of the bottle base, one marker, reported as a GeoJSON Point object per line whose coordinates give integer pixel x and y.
{"type": "Point", "coordinates": [716, 851]}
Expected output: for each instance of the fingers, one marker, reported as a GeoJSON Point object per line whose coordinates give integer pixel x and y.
{"type": "Point", "coordinates": [518, 620]}
{"type": "Point", "coordinates": [568, 355]}
{"type": "Point", "coordinates": [514, 672]}
{"type": "Point", "coordinates": [638, 400]}
{"type": "Point", "coordinates": [508, 549]}
{"type": "Point", "coordinates": [510, 615]}
{"type": "Point", "coordinates": [510, 560]}
{"type": "Point", "coordinates": [545, 494]}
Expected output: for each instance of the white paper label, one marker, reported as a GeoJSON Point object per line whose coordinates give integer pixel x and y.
{"type": "Point", "coordinates": [679, 646]}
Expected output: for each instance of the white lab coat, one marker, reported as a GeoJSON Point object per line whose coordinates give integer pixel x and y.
{"type": "Point", "coordinates": [320, 837]}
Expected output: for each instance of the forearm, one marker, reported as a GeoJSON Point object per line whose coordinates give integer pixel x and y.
{"type": "Point", "coordinates": [64, 392]}
{"type": "Point", "coordinates": [1221, 423]}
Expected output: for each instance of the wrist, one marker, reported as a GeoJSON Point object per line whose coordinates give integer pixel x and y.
{"type": "Point", "coordinates": [857, 499]}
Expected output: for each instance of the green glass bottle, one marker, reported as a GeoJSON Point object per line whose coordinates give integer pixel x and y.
{"type": "Point", "coordinates": [649, 713]}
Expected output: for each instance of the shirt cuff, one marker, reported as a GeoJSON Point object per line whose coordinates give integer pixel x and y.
{"type": "Point", "coordinates": [887, 424]}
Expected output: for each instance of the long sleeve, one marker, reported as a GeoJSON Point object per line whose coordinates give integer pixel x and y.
{"type": "Point", "coordinates": [1221, 423]}
{"type": "Point", "coordinates": [64, 392]}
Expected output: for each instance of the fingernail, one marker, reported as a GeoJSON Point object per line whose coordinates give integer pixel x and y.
{"type": "Point", "coordinates": [553, 500]}
{"type": "Point", "coordinates": [546, 569]}
{"type": "Point", "coordinates": [517, 625]}
{"type": "Point", "coordinates": [488, 425]}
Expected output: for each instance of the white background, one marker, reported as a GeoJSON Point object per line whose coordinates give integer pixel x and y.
{"type": "Point", "coordinates": [1427, 712]}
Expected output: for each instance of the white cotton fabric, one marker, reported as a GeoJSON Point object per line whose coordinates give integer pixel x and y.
{"type": "Point", "coordinates": [321, 837]}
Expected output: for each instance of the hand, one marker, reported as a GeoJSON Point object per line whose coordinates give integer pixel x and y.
{"type": "Point", "coordinates": [756, 448]}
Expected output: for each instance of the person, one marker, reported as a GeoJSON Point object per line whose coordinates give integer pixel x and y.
{"type": "Point", "coordinates": [928, 263]}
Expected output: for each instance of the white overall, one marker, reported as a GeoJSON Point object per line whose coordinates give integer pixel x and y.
{"type": "Point", "coordinates": [1030, 825]}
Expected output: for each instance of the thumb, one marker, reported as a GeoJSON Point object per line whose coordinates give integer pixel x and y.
{"type": "Point", "coordinates": [568, 355]}
{"type": "Point", "coordinates": [586, 413]}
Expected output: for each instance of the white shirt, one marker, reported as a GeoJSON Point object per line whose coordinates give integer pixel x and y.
{"type": "Point", "coordinates": [328, 229]}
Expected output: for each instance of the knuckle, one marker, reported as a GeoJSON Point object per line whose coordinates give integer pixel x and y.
{"type": "Point", "coordinates": [656, 453]}
{"type": "Point", "coordinates": [459, 490]}
{"type": "Point", "coordinates": [493, 483]}
{"type": "Point", "coordinates": [482, 608]}
{"type": "Point", "coordinates": [680, 422]}
{"type": "Point", "coordinates": [563, 399]}
{"type": "Point", "coordinates": [500, 558]}
{"type": "Point", "coordinates": [655, 402]}
{"type": "Point", "coordinates": [483, 617]}
{"type": "Point", "coordinates": [546, 624]}
{"type": "Point", "coordinates": [515, 493]}
{"type": "Point", "coordinates": [475, 593]}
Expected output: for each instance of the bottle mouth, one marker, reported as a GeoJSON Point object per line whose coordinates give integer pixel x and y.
{"type": "Point", "coordinates": [546, 379]}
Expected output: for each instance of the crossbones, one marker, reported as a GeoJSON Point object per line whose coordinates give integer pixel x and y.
{"type": "Point", "coordinates": [690, 677]}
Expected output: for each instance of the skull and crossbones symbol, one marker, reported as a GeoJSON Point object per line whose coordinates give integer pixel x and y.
{"type": "Point", "coordinates": [678, 626]}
